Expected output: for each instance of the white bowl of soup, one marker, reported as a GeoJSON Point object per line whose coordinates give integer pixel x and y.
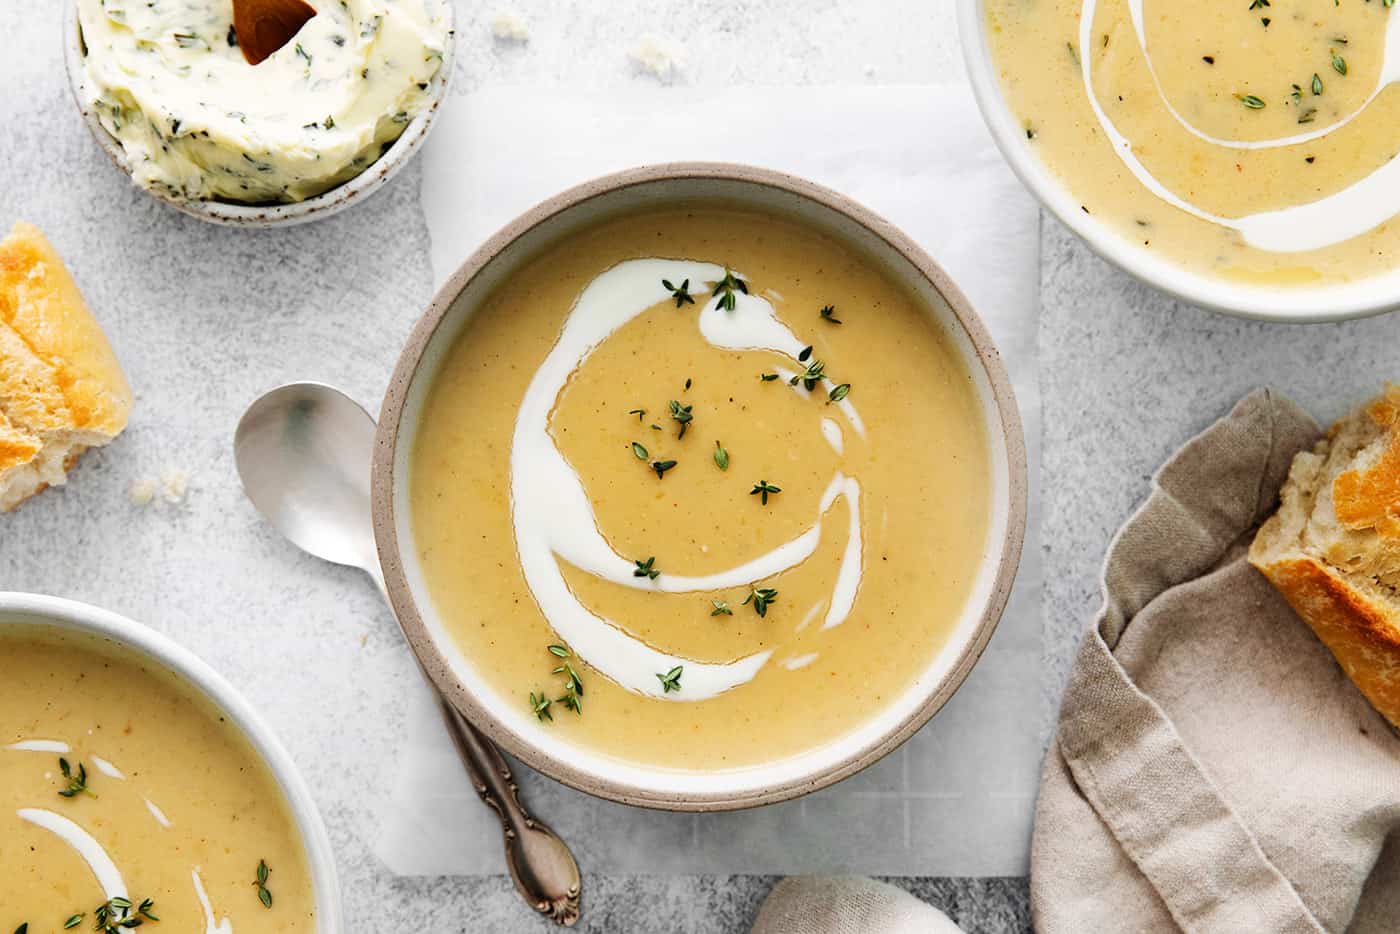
{"type": "Point", "coordinates": [137, 786]}
{"type": "Point", "coordinates": [698, 487]}
{"type": "Point", "coordinates": [1238, 156]}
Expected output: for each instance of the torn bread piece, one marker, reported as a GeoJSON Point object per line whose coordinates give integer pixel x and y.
{"type": "Point", "coordinates": [61, 388]}
{"type": "Point", "coordinates": [1333, 548]}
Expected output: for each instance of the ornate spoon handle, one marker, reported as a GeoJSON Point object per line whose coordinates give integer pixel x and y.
{"type": "Point", "coordinates": [544, 870]}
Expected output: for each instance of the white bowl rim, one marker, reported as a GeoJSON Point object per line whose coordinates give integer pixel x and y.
{"type": "Point", "coordinates": [63, 613]}
{"type": "Point", "coordinates": [669, 789]}
{"type": "Point", "coordinates": [1362, 298]}
{"type": "Point", "coordinates": [231, 214]}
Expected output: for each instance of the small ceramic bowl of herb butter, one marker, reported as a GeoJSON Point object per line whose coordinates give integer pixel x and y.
{"type": "Point", "coordinates": [260, 113]}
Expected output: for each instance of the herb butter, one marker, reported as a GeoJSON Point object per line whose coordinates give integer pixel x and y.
{"type": "Point", "coordinates": [168, 81]}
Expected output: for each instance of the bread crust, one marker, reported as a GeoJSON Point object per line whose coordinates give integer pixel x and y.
{"type": "Point", "coordinates": [1361, 632]}
{"type": "Point", "coordinates": [41, 303]}
{"type": "Point", "coordinates": [1332, 548]}
{"type": "Point", "coordinates": [61, 387]}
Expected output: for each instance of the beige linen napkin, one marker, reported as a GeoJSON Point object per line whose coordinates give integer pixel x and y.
{"type": "Point", "coordinates": [1213, 766]}
{"type": "Point", "coordinates": [847, 905]}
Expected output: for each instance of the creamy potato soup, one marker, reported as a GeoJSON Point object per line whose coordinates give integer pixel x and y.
{"type": "Point", "coordinates": [701, 488]}
{"type": "Point", "coordinates": [1254, 140]}
{"type": "Point", "coordinates": [125, 797]}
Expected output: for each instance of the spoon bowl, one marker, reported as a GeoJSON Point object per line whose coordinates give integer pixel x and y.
{"type": "Point", "coordinates": [302, 452]}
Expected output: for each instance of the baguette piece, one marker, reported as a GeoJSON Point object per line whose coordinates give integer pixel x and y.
{"type": "Point", "coordinates": [1333, 548]}
{"type": "Point", "coordinates": [61, 388]}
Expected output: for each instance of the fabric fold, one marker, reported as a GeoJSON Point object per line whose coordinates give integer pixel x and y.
{"type": "Point", "coordinates": [1197, 776]}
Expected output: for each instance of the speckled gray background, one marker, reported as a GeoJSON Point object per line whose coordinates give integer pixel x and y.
{"type": "Point", "coordinates": [205, 318]}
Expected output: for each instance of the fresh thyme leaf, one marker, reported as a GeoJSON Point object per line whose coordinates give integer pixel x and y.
{"type": "Point", "coordinates": [646, 568]}
{"type": "Point", "coordinates": [806, 352]}
{"type": "Point", "coordinates": [1296, 94]}
{"type": "Point", "coordinates": [724, 289]}
{"type": "Point", "coordinates": [721, 608]}
{"type": "Point", "coordinates": [661, 467]}
{"type": "Point", "coordinates": [559, 651]}
{"type": "Point", "coordinates": [637, 412]}
{"type": "Point", "coordinates": [768, 377]}
{"type": "Point", "coordinates": [681, 293]}
{"type": "Point", "coordinates": [1252, 102]}
{"type": "Point", "coordinates": [119, 914]}
{"type": "Point", "coordinates": [23, 928]}
{"type": "Point", "coordinates": [1339, 64]}
{"type": "Point", "coordinates": [762, 488]}
{"type": "Point", "coordinates": [721, 457]}
{"type": "Point", "coordinates": [687, 384]}
{"type": "Point", "coordinates": [640, 451]}
{"type": "Point", "coordinates": [260, 880]}
{"type": "Point", "coordinates": [77, 783]}
{"type": "Point", "coordinates": [572, 682]}
{"type": "Point", "coordinates": [303, 53]}
{"type": "Point", "coordinates": [815, 373]}
{"type": "Point", "coordinates": [1308, 115]}
{"type": "Point", "coordinates": [654, 427]}
{"type": "Point", "coordinates": [1258, 4]}
{"type": "Point", "coordinates": [1316, 84]}
{"type": "Point", "coordinates": [187, 40]}
{"type": "Point", "coordinates": [540, 705]}
{"type": "Point", "coordinates": [839, 392]}
{"type": "Point", "coordinates": [77, 919]}
{"type": "Point", "coordinates": [761, 598]}
{"type": "Point", "coordinates": [828, 312]}
{"type": "Point", "coordinates": [572, 701]}
{"type": "Point", "coordinates": [681, 413]}
{"type": "Point", "coordinates": [671, 680]}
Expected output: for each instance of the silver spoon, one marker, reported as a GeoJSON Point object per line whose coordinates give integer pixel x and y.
{"type": "Point", "coordinates": [303, 452]}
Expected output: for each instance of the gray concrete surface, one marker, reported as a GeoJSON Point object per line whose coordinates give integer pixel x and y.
{"type": "Point", "coordinates": [205, 318]}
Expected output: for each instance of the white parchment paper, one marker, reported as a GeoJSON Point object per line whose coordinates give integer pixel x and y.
{"type": "Point", "coordinates": [956, 800]}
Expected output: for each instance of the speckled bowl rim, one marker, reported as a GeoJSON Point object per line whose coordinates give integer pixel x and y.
{"type": "Point", "coordinates": [350, 192]}
{"type": "Point", "coordinates": [384, 486]}
{"type": "Point", "coordinates": [29, 609]}
{"type": "Point", "coordinates": [1361, 298]}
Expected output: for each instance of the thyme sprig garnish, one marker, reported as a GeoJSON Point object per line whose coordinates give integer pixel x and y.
{"type": "Point", "coordinates": [77, 919]}
{"type": "Point", "coordinates": [1317, 85]}
{"type": "Point", "coordinates": [1339, 64]}
{"type": "Point", "coordinates": [815, 373]}
{"type": "Point", "coordinates": [721, 608]}
{"type": "Point", "coordinates": [721, 457]}
{"type": "Point", "coordinates": [77, 782]}
{"type": "Point", "coordinates": [260, 880]}
{"type": "Point", "coordinates": [682, 414]}
{"type": "Point", "coordinates": [573, 684]}
{"type": "Point", "coordinates": [119, 914]}
{"type": "Point", "coordinates": [839, 392]}
{"type": "Point", "coordinates": [724, 289]}
{"type": "Point", "coordinates": [661, 467]}
{"type": "Point", "coordinates": [761, 598]}
{"type": "Point", "coordinates": [640, 450]}
{"type": "Point", "coordinates": [681, 293]}
{"type": "Point", "coordinates": [762, 489]}
{"type": "Point", "coordinates": [539, 703]}
{"type": "Point", "coordinates": [646, 568]}
{"type": "Point", "coordinates": [828, 313]}
{"type": "Point", "coordinates": [1251, 101]}
{"type": "Point", "coordinates": [671, 680]}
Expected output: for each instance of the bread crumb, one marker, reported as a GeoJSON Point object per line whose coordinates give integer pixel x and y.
{"type": "Point", "coordinates": [171, 487]}
{"type": "Point", "coordinates": [510, 26]}
{"type": "Point", "coordinates": [174, 485]}
{"type": "Point", "coordinates": [142, 491]}
{"type": "Point", "coordinates": [660, 57]}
